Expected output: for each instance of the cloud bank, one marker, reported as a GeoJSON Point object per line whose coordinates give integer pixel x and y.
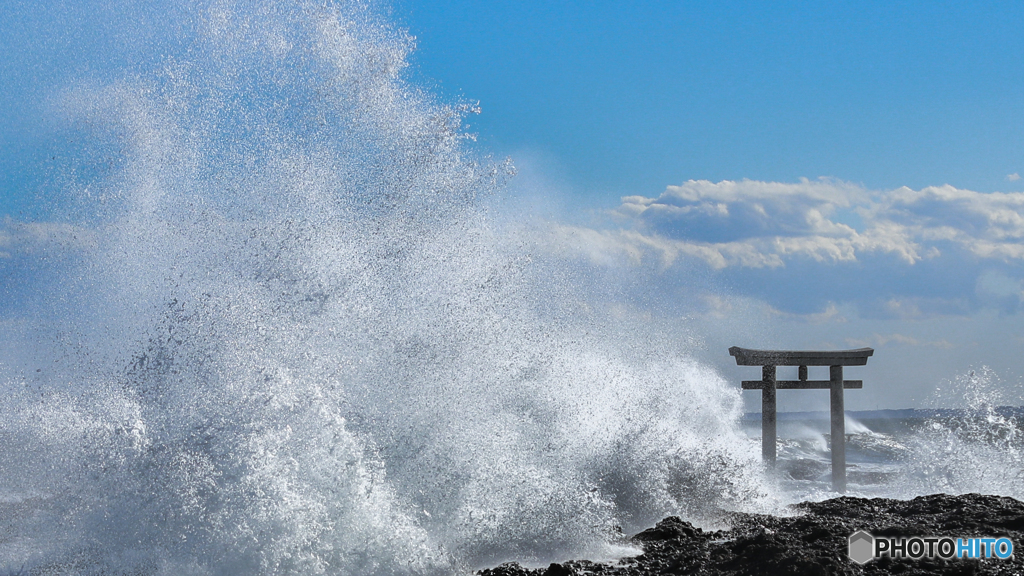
{"type": "Point", "coordinates": [896, 253]}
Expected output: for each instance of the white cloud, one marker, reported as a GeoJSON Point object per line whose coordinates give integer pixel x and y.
{"type": "Point", "coordinates": [730, 211]}
{"type": "Point", "coordinates": [830, 314]}
{"type": "Point", "coordinates": [1013, 177]}
{"type": "Point", "coordinates": [903, 309]}
{"type": "Point", "coordinates": [612, 246]}
{"type": "Point", "coordinates": [879, 340]}
{"type": "Point", "coordinates": [899, 254]}
{"type": "Point", "coordinates": [758, 224]}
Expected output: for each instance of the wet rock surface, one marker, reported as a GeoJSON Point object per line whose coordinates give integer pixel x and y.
{"type": "Point", "coordinates": [815, 542]}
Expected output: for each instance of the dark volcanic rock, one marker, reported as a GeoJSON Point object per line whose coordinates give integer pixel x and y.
{"type": "Point", "coordinates": [815, 541]}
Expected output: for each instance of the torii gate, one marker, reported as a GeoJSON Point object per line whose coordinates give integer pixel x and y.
{"type": "Point", "coordinates": [835, 360]}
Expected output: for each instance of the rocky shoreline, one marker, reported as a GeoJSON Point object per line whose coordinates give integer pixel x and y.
{"type": "Point", "coordinates": [815, 542]}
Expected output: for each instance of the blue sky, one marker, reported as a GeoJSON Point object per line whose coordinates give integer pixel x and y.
{"type": "Point", "coordinates": [626, 98]}
{"type": "Point", "coordinates": [775, 174]}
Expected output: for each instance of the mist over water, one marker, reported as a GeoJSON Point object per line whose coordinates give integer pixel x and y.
{"type": "Point", "coordinates": [978, 448]}
{"type": "Point", "coordinates": [282, 327]}
{"type": "Point", "coordinates": [971, 440]}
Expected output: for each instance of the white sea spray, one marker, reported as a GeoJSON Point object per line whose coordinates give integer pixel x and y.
{"type": "Point", "coordinates": [295, 338]}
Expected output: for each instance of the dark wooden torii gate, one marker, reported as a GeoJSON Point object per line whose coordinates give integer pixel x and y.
{"type": "Point", "coordinates": [768, 360]}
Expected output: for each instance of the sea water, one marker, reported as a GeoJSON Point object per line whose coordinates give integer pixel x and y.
{"type": "Point", "coordinates": [268, 316]}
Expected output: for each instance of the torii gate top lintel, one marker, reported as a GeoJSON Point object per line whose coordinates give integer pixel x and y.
{"type": "Point", "coordinates": [748, 357]}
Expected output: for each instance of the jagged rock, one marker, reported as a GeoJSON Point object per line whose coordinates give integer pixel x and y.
{"type": "Point", "coordinates": [814, 542]}
{"type": "Point", "coordinates": [671, 528]}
